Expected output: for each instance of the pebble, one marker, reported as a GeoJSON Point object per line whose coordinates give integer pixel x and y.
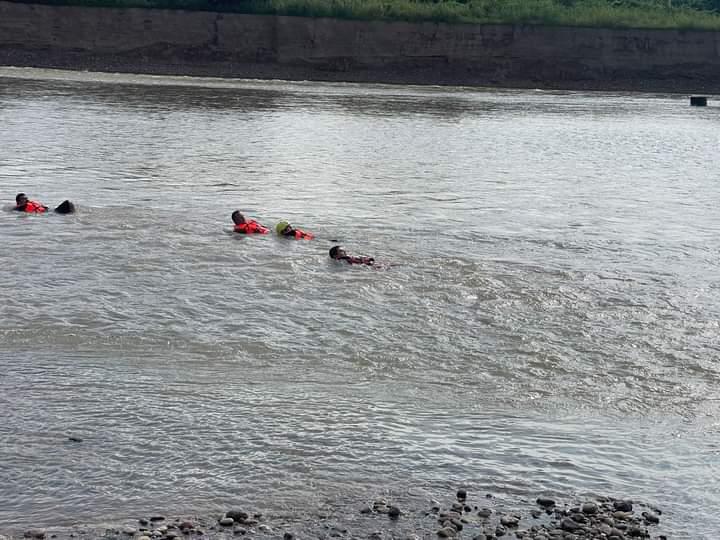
{"type": "Point", "coordinates": [509, 521]}
{"type": "Point", "coordinates": [288, 536]}
{"type": "Point", "coordinates": [447, 532]}
{"type": "Point", "coordinates": [650, 517]}
{"type": "Point", "coordinates": [171, 535]}
{"type": "Point", "coordinates": [227, 521]}
{"type": "Point", "coordinates": [144, 522]}
{"type": "Point", "coordinates": [462, 494]}
{"type": "Point", "coordinates": [545, 502]}
{"type": "Point", "coordinates": [35, 533]}
{"type": "Point", "coordinates": [144, 538]}
{"type": "Point", "coordinates": [366, 510]}
{"type": "Point", "coordinates": [590, 508]}
{"type": "Point", "coordinates": [623, 506]}
{"type": "Point", "coordinates": [394, 512]}
{"type": "Point", "coordinates": [569, 524]}
{"type": "Point", "coordinates": [130, 531]}
{"type": "Point", "coordinates": [237, 515]}
{"type": "Point", "coordinates": [264, 528]}
{"type": "Point", "coordinates": [500, 531]}
{"type": "Point", "coordinates": [157, 518]}
{"type": "Point", "coordinates": [484, 512]}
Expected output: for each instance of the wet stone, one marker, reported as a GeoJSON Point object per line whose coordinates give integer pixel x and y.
{"type": "Point", "coordinates": [394, 512]}
{"type": "Point", "coordinates": [366, 510]}
{"type": "Point", "coordinates": [623, 506]}
{"type": "Point", "coordinates": [484, 512]}
{"type": "Point", "coordinates": [650, 517]}
{"type": "Point", "coordinates": [569, 524]}
{"type": "Point", "coordinates": [545, 502]}
{"type": "Point", "coordinates": [509, 521]}
{"type": "Point", "coordinates": [237, 515]}
{"type": "Point", "coordinates": [157, 518]}
{"type": "Point", "coordinates": [227, 521]}
{"type": "Point", "coordinates": [288, 536]}
{"type": "Point", "coordinates": [144, 522]}
{"type": "Point", "coordinates": [447, 532]}
{"type": "Point", "coordinates": [590, 509]}
{"type": "Point", "coordinates": [35, 533]}
{"type": "Point", "coordinates": [462, 494]}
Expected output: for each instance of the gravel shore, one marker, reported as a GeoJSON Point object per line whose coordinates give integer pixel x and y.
{"type": "Point", "coordinates": [476, 516]}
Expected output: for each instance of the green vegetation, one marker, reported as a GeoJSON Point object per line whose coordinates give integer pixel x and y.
{"type": "Point", "coordinates": [679, 14]}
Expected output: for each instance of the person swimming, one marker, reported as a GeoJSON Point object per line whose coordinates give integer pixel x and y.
{"type": "Point", "coordinates": [243, 226]}
{"type": "Point", "coordinates": [339, 254]}
{"type": "Point", "coordinates": [23, 204]}
{"type": "Point", "coordinates": [288, 231]}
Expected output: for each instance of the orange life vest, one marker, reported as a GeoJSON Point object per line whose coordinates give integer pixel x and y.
{"type": "Point", "coordinates": [32, 207]}
{"type": "Point", "coordinates": [251, 227]}
{"type": "Point", "coordinates": [302, 235]}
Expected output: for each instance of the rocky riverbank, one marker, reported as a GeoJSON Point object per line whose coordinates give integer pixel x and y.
{"type": "Point", "coordinates": [467, 515]}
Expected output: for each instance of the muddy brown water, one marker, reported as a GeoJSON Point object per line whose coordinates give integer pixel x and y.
{"type": "Point", "coordinates": [551, 324]}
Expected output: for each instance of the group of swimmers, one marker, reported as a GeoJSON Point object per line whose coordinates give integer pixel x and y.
{"type": "Point", "coordinates": [242, 226]}
{"type": "Point", "coordinates": [286, 230]}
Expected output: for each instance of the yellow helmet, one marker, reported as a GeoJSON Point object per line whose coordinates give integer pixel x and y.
{"type": "Point", "coordinates": [280, 227]}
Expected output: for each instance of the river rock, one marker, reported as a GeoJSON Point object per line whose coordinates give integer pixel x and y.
{"type": "Point", "coordinates": [569, 524]}
{"type": "Point", "coordinates": [35, 533]}
{"type": "Point", "coordinates": [237, 515]}
{"type": "Point", "coordinates": [186, 525]}
{"type": "Point", "coordinates": [171, 535]}
{"type": "Point", "coordinates": [227, 521]}
{"type": "Point", "coordinates": [462, 494]}
{"type": "Point", "coordinates": [366, 510]}
{"type": "Point", "coordinates": [394, 512]}
{"type": "Point", "coordinates": [447, 532]}
{"type": "Point", "coordinates": [590, 508]}
{"type": "Point", "coordinates": [485, 513]}
{"type": "Point", "coordinates": [264, 528]}
{"type": "Point", "coordinates": [157, 518]}
{"type": "Point", "coordinates": [143, 522]}
{"type": "Point", "coordinates": [509, 521]}
{"type": "Point", "coordinates": [144, 538]}
{"type": "Point", "coordinates": [623, 506]}
{"type": "Point", "coordinates": [622, 516]}
{"type": "Point", "coordinates": [130, 531]}
{"type": "Point", "coordinates": [288, 536]}
{"type": "Point", "coordinates": [500, 531]}
{"type": "Point", "coordinates": [545, 502]}
{"type": "Point", "coordinates": [650, 517]}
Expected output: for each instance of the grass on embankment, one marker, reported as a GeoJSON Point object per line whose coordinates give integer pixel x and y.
{"type": "Point", "coordinates": [676, 14]}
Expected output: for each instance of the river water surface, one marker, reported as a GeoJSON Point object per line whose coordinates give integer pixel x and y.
{"type": "Point", "coordinates": [550, 324]}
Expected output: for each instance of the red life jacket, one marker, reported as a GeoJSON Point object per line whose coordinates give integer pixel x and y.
{"type": "Point", "coordinates": [302, 235]}
{"type": "Point", "coordinates": [32, 207]}
{"type": "Point", "coordinates": [251, 227]}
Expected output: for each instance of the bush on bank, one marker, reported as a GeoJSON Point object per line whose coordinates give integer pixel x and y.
{"type": "Point", "coordinates": [678, 14]}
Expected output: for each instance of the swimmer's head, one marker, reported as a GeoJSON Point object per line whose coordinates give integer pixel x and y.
{"type": "Point", "coordinates": [282, 227]}
{"type": "Point", "coordinates": [21, 199]}
{"type": "Point", "coordinates": [238, 218]}
{"type": "Point", "coordinates": [337, 252]}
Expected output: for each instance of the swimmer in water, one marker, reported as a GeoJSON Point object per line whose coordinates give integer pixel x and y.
{"type": "Point", "coordinates": [338, 253]}
{"type": "Point", "coordinates": [244, 226]}
{"type": "Point", "coordinates": [23, 204]}
{"type": "Point", "coordinates": [286, 230]}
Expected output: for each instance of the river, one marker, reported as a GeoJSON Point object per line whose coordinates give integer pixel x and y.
{"type": "Point", "coordinates": [549, 324]}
